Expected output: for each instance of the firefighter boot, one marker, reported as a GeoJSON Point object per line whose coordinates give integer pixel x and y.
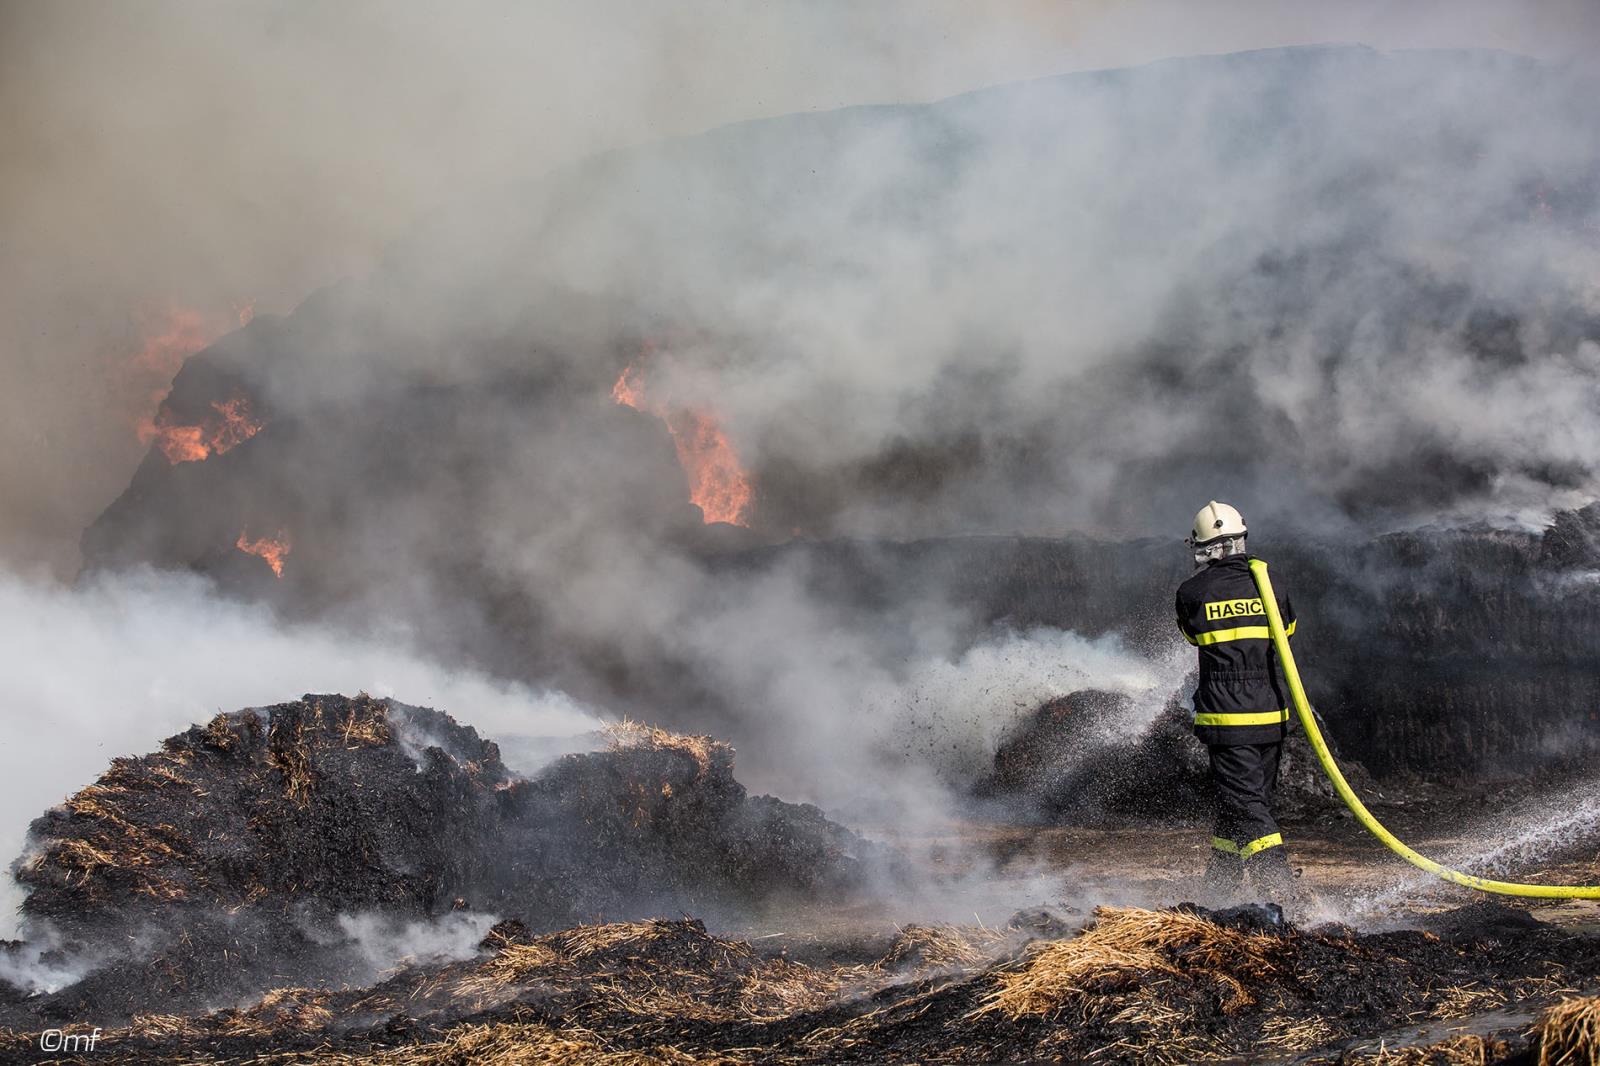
{"type": "Point", "coordinates": [1223, 880]}
{"type": "Point", "coordinates": [1272, 879]}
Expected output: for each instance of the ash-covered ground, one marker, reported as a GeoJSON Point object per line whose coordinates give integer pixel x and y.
{"type": "Point", "coordinates": [341, 880]}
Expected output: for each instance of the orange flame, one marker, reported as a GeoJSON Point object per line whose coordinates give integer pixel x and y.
{"type": "Point", "coordinates": [273, 549]}
{"type": "Point", "coordinates": [171, 335]}
{"type": "Point", "coordinates": [231, 424]}
{"type": "Point", "coordinates": [629, 389]}
{"type": "Point", "coordinates": [717, 483]}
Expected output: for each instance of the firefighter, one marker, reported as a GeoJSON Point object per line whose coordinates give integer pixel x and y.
{"type": "Point", "coordinates": [1241, 706]}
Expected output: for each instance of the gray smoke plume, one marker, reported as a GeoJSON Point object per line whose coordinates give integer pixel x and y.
{"type": "Point", "coordinates": [184, 154]}
{"type": "Point", "coordinates": [1062, 305]}
{"type": "Point", "coordinates": [1343, 288]}
{"type": "Point", "coordinates": [1008, 312]}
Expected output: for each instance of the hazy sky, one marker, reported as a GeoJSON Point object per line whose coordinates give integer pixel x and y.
{"type": "Point", "coordinates": [209, 156]}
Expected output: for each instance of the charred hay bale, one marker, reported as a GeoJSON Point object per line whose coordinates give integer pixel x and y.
{"type": "Point", "coordinates": [243, 847]}
{"type": "Point", "coordinates": [1085, 757]}
{"type": "Point", "coordinates": [662, 826]}
{"type": "Point", "coordinates": [367, 805]}
{"type": "Point", "coordinates": [191, 873]}
{"type": "Point", "coordinates": [354, 803]}
{"type": "Point", "coordinates": [1078, 757]}
{"type": "Point", "coordinates": [1059, 735]}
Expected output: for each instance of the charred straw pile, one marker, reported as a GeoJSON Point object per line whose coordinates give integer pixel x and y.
{"type": "Point", "coordinates": [223, 866]}
{"type": "Point", "coordinates": [1180, 985]}
{"type": "Point", "coordinates": [235, 850]}
{"type": "Point", "coordinates": [1075, 755]}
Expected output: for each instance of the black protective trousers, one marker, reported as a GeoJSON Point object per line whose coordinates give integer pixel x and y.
{"type": "Point", "coordinates": [1244, 777]}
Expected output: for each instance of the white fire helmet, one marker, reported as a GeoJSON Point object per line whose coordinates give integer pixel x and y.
{"type": "Point", "coordinates": [1214, 522]}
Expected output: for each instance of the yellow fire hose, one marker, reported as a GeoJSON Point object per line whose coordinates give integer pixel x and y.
{"type": "Point", "coordinates": [1297, 692]}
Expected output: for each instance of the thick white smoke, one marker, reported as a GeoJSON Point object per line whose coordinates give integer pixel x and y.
{"type": "Point", "coordinates": [115, 666]}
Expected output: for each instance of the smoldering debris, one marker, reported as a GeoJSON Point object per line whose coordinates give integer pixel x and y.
{"type": "Point", "coordinates": [278, 840]}
{"type": "Point", "coordinates": [1073, 759]}
{"type": "Point", "coordinates": [1160, 986]}
{"type": "Point", "coordinates": [1069, 755]}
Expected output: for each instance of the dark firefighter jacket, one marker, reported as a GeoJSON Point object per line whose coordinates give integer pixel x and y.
{"type": "Point", "coordinates": [1242, 697]}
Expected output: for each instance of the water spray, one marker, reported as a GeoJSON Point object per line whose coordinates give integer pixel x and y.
{"type": "Point", "coordinates": [1297, 692]}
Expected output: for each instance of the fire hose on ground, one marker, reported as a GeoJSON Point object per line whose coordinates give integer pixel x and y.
{"type": "Point", "coordinates": [1297, 692]}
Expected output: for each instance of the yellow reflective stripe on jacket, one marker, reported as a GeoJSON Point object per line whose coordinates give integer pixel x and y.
{"type": "Point", "coordinates": [1271, 840]}
{"type": "Point", "coordinates": [1244, 851]}
{"type": "Point", "coordinates": [1218, 636]}
{"type": "Point", "coordinates": [1242, 718]}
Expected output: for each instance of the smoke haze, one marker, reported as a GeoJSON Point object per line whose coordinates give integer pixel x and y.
{"type": "Point", "coordinates": [918, 321]}
{"type": "Point", "coordinates": [112, 668]}
{"type": "Point", "coordinates": [213, 156]}
{"type": "Point", "coordinates": [1062, 305]}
